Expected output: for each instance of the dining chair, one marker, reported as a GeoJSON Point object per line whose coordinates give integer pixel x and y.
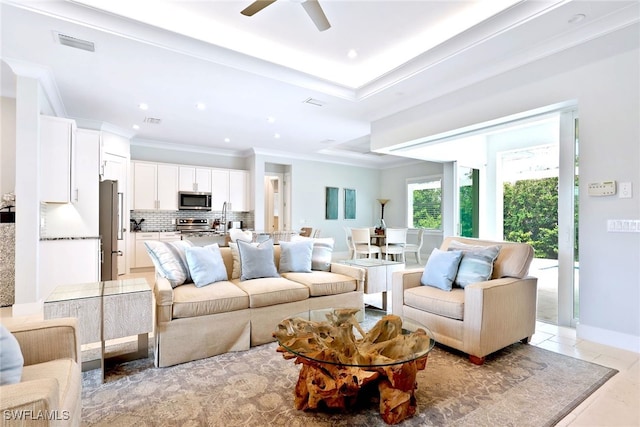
{"type": "Point", "coordinates": [306, 231]}
{"type": "Point", "coordinates": [347, 235]}
{"type": "Point", "coordinates": [416, 247]}
{"type": "Point", "coordinates": [316, 233]}
{"type": "Point", "coordinates": [395, 241]}
{"type": "Point", "coordinates": [361, 238]}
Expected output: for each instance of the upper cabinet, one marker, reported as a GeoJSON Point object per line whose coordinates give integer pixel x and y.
{"type": "Point", "coordinates": [195, 179]}
{"type": "Point", "coordinates": [155, 186]}
{"type": "Point", "coordinates": [231, 186]}
{"type": "Point", "coordinates": [57, 140]}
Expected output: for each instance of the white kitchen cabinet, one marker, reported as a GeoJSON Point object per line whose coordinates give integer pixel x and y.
{"type": "Point", "coordinates": [219, 188]}
{"type": "Point", "coordinates": [87, 170]}
{"type": "Point", "coordinates": [239, 194]}
{"type": "Point", "coordinates": [155, 186]}
{"type": "Point", "coordinates": [167, 188]}
{"type": "Point", "coordinates": [142, 258]}
{"type": "Point", "coordinates": [57, 137]}
{"type": "Point", "coordinates": [231, 186]}
{"type": "Point", "coordinates": [195, 179]}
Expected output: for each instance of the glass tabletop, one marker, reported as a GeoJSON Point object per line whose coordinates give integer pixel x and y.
{"type": "Point", "coordinates": [354, 337]}
{"type": "Point", "coordinates": [97, 289]}
{"type": "Point", "coordinates": [368, 262]}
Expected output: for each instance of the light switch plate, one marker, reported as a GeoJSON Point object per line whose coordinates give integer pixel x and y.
{"type": "Point", "coordinates": [604, 188]}
{"type": "Point", "coordinates": [625, 190]}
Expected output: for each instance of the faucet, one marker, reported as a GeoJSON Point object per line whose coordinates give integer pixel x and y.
{"type": "Point", "coordinates": [224, 217]}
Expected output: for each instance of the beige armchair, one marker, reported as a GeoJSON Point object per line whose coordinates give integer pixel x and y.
{"type": "Point", "coordinates": [481, 318]}
{"type": "Point", "coordinates": [49, 393]}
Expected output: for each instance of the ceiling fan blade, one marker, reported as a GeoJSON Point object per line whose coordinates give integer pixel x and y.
{"type": "Point", "coordinates": [315, 12]}
{"type": "Point", "coordinates": [256, 7]}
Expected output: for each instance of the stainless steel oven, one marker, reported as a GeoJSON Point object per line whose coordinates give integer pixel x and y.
{"type": "Point", "coordinates": [190, 200]}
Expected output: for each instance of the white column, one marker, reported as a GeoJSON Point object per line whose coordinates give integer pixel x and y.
{"type": "Point", "coordinates": [27, 295]}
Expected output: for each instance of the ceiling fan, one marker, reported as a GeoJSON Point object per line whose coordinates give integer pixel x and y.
{"type": "Point", "coordinates": [312, 7]}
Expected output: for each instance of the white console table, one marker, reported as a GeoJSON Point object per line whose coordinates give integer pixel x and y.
{"type": "Point", "coordinates": [106, 311]}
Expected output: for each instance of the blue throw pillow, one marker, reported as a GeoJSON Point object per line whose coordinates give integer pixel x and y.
{"type": "Point", "coordinates": [296, 256]}
{"type": "Point", "coordinates": [11, 360]}
{"type": "Point", "coordinates": [476, 265]}
{"type": "Point", "coordinates": [206, 265]}
{"type": "Point", "coordinates": [441, 269]}
{"type": "Point", "coordinates": [256, 261]}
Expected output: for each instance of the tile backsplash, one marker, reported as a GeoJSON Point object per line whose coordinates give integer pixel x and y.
{"type": "Point", "coordinates": [165, 220]}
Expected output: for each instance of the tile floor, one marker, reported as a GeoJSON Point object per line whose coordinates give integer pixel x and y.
{"type": "Point", "coordinates": [616, 403]}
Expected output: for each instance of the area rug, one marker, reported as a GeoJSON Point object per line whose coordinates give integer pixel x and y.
{"type": "Point", "coordinates": [521, 385]}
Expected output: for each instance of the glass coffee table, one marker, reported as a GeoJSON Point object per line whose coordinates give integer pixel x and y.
{"type": "Point", "coordinates": [346, 353]}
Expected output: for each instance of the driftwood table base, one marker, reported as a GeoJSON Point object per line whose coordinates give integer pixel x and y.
{"type": "Point", "coordinates": [337, 369]}
{"type": "Point", "coordinates": [338, 387]}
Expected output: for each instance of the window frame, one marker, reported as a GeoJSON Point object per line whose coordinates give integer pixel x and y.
{"type": "Point", "coordinates": [409, 191]}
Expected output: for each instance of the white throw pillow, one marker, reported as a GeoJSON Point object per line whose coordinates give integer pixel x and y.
{"type": "Point", "coordinates": [170, 260]}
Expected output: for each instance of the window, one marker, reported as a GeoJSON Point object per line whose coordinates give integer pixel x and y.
{"type": "Point", "coordinates": [425, 202]}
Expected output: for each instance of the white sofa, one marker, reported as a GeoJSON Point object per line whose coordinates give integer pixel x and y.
{"type": "Point", "coordinates": [483, 317]}
{"type": "Point", "coordinates": [194, 323]}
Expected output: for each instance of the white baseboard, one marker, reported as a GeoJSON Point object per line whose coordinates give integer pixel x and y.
{"type": "Point", "coordinates": [608, 337]}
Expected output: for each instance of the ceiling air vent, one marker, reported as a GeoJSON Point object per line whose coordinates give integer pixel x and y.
{"type": "Point", "coordinates": [152, 120]}
{"type": "Point", "coordinates": [76, 43]}
{"type": "Point", "coordinates": [314, 101]}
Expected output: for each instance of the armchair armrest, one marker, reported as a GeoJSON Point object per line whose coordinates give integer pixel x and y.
{"type": "Point", "coordinates": [47, 340]}
{"type": "Point", "coordinates": [163, 293]}
{"type": "Point", "coordinates": [498, 313]}
{"type": "Point", "coordinates": [401, 280]}
{"type": "Point", "coordinates": [36, 396]}
{"type": "Point", "coordinates": [351, 271]}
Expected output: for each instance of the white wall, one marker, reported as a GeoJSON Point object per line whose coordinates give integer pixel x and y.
{"type": "Point", "coordinates": [309, 180]}
{"type": "Point", "coordinates": [7, 145]}
{"type": "Point", "coordinates": [606, 90]}
{"type": "Point", "coordinates": [186, 157]}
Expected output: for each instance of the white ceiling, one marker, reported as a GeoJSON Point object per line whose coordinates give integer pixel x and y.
{"type": "Point", "coordinates": [174, 54]}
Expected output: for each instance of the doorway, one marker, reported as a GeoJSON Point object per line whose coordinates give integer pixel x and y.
{"type": "Point", "coordinates": [273, 220]}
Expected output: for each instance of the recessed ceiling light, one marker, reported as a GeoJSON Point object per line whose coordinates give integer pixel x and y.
{"type": "Point", "coordinates": [352, 54]}
{"type": "Point", "coordinates": [136, 127]}
{"type": "Point", "coordinates": [276, 136]}
{"type": "Point", "coordinates": [143, 106]}
{"type": "Point", "coordinates": [227, 140]}
{"type": "Point", "coordinates": [576, 18]}
{"type": "Point", "coordinates": [201, 106]}
{"type": "Point", "coordinates": [271, 119]}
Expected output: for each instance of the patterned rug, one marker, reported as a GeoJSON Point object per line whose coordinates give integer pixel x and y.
{"type": "Point", "coordinates": [522, 385]}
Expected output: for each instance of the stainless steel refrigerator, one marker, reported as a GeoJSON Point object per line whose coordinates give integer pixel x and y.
{"type": "Point", "coordinates": [110, 223]}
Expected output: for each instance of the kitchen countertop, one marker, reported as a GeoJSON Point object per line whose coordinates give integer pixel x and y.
{"type": "Point", "coordinates": [70, 238]}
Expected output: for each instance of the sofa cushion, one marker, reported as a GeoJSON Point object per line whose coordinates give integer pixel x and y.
{"type": "Point", "coordinates": [170, 260]}
{"type": "Point", "coordinates": [69, 377]}
{"type": "Point", "coordinates": [441, 269]}
{"type": "Point", "coordinates": [296, 256]}
{"type": "Point", "coordinates": [11, 360]}
{"type": "Point", "coordinates": [322, 283]}
{"type": "Point", "coordinates": [436, 301]}
{"type": "Point", "coordinates": [206, 265]}
{"type": "Point", "coordinates": [272, 290]}
{"type": "Point", "coordinates": [256, 261]}
{"type": "Point", "coordinates": [476, 264]}
{"type": "Point", "coordinates": [220, 297]}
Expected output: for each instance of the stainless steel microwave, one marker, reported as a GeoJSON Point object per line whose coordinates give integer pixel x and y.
{"type": "Point", "coordinates": [190, 200]}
